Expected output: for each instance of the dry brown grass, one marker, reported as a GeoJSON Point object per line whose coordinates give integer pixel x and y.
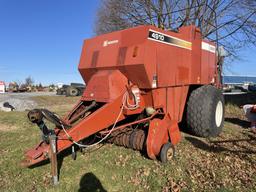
{"type": "Point", "coordinates": [4, 127]}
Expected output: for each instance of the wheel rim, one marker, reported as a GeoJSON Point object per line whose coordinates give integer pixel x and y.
{"type": "Point", "coordinates": [170, 154]}
{"type": "Point", "coordinates": [219, 114]}
{"type": "Point", "coordinates": [73, 92]}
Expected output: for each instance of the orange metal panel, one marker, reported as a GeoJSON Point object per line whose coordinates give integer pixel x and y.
{"type": "Point", "coordinates": [174, 132]}
{"type": "Point", "coordinates": [160, 132]}
{"type": "Point", "coordinates": [176, 99]}
{"type": "Point", "coordinates": [159, 98]}
{"type": "Point", "coordinates": [208, 59]}
{"type": "Point", "coordinates": [157, 136]}
{"type": "Point", "coordinates": [140, 57]}
{"type": "Point", "coordinates": [105, 86]}
{"type": "Point", "coordinates": [195, 72]}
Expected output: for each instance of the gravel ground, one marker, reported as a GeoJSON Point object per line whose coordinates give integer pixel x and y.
{"type": "Point", "coordinates": [21, 101]}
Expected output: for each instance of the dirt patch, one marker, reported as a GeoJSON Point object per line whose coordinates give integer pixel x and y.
{"type": "Point", "coordinates": [18, 104]}
{"type": "Point", "coordinates": [22, 101]}
{"type": "Point", "coordinates": [4, 127]}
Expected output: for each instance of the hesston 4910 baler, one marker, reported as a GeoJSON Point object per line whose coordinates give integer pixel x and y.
{"type": "Point", "coordinates": [141, 83]}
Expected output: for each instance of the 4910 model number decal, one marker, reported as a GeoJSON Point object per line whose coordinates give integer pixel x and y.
{"type": "Point", "coordinates": [156, 36]}
{"type": "Point", "coordinates": [166, 39]}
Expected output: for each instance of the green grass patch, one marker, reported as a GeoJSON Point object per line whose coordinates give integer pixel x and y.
{"type": "Point", "coordinates": [226, 163]}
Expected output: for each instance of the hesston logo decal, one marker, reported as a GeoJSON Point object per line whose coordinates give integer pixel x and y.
{"type": "Point", "coordinates": [106, 43]}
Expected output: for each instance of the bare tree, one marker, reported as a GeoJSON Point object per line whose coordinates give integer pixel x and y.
{"type": "Point", "coordinates": [29, 81]}
{"type": "Point", "coordinates": [230, 22]}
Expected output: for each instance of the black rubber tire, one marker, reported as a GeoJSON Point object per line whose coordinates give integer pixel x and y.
{"type": "Point", "coordinates": [59, 92]}
{"type": "Point", "coordinates": [202, 108]}
{"type": "Point", "coordinates": [79, 92]}
{"type": "Point", "coordinates": [72, 91]}
{"type": "Point", "coordinates": [164, 152]}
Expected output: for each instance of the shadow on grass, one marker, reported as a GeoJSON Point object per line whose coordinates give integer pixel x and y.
{"type": "Point", "coordinates": [217, 146]}
{"type": "Point", "coordinates": [89, 182]}
{"type": "Point", "coordinates": [237, 121]}
{"type": "Point", "coordinates": [60, 158]}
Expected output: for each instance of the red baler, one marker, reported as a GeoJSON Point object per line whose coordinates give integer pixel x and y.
{"type": "Point", "coordinates": [141, 83]}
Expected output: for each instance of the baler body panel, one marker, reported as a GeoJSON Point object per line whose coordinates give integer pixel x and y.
{"type": "Point", "coordinates": [208, 62]}
{"type": "Point", "coordinates": [141, 58]}
{"type": "Point", "coordinates": [151, 58]}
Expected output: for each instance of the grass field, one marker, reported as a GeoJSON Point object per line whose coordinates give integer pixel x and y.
{"type": "Point", "coordinates": [226, 163]}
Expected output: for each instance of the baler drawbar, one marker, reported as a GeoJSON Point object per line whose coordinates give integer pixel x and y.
{"type": "Point", "coordinates": [141, 83]}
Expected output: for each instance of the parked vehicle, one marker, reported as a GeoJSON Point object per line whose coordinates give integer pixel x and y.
{"type": "Point", "coordinates": [72, 90]}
